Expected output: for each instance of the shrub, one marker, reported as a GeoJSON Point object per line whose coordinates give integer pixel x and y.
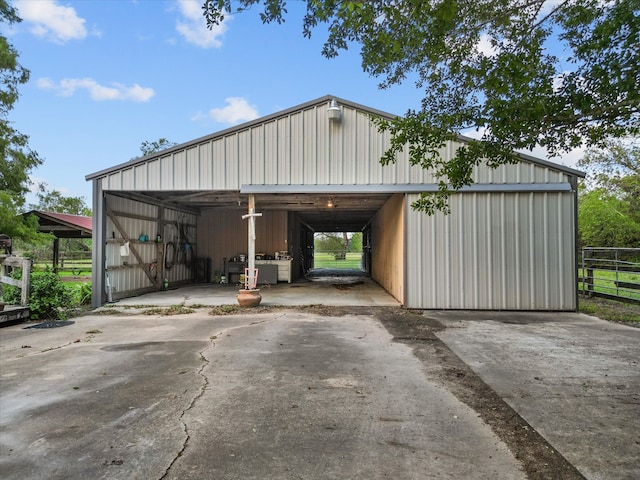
{"type": "Point", "coordinates": [83, 294]}
{"type": "Point", "coordinates": [49, 297]}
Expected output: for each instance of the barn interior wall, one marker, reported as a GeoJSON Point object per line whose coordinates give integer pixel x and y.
{"type": "Point", "coordinates": [222, 233]}
{"type": "Point", "coordinates": [388, 246]}
{"type": "Point", "coordinates": [143, 268]}
{"type": "Point", "coordinates": [298, 240]}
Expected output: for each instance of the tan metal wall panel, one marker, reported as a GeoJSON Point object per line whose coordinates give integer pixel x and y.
{"type": "Point", "coordinates": [230, 160]}
{"type": "Point", "coordinates": [126, 178]}
{"type": "Point", "coordinates": [297, 149]}
{"type": "Point", "coordinates": [166, 172]}
{"type": "Point", "coordinates": [265, 148]}
{"type": "Point", "coordinates": [498, 251]}
{"type": "Point", "coordinates": [205, 167]}
{"type": "Point", "coordinates": [140, 173]}
{"type": "Point", "coordinates": [178, 164]}
{"type": "Point", "coordinates": [361, 142]}
{"type": "Point", "coordinates": [303, 147]}
{"type": "Point", "coordinates": [283, 152]}
{"type": "Point", "coordinates": [324, 154]}
{"type": "Point", "coordinates": [332, 157]}
{"type": "Point", "coordinates": [192, 168]}
{"type": "Point", "coordinates": [523, 172]}
{"type": "Point", "coordinates": [350, 152]}
{"type": "Point", "coordinates": [218, 165]}
{"type": "Point", "coordinates": [154, 177]}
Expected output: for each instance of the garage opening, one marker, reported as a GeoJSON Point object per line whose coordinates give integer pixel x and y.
{"type": "Point", "coordinates": [300, 236]}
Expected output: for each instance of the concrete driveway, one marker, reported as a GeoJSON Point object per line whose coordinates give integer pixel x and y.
{"type": "Point", "coordinates": [299, 393]}
{"type": "Point", "coordinates": [572, 377]}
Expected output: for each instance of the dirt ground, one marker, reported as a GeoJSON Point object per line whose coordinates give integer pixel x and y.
{"type": "Point", "coordinates": [539, 459]}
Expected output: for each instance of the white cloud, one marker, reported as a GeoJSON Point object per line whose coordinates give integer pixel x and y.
{"type": "Point", "coordinates": [486, 48]}
{"type": "Point", "coordinates": [68, 86]}
{"type": "Point", "coordinates": [52, 21]}
{"type": "Point", "coordinates": [568, 159]}
{"type": "Point", "coordinates": [237, 111]}
{"type": "Point", "coordinates": [193, 26]}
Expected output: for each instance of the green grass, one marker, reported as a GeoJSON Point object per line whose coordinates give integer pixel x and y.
{"type": "Point", "coordinates": [611, 310]}
{"type": "Point", "coordinates": [327, 260]}
{"type": "Point", "coordinates": [603, 282]}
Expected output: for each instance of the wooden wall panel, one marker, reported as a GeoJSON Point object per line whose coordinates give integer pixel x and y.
{"type": "Point", "coordinates": [223, 234]}
{"type": "Point", "coordinates": [388, 247]}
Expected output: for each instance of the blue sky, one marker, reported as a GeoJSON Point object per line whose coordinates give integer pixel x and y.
{"type": "Point", "coordinates": [107, 75]}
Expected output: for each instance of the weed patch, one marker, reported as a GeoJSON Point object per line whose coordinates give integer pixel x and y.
{"type": "Point", "coordinates": [611, 310]}
{"type": "Point", "coordinates": [171, 310]}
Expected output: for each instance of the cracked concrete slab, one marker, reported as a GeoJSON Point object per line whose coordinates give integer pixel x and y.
{"type": "Point", "coordinates": [300, 396]}
{"type": "Point", "coordinates": [277, 395]}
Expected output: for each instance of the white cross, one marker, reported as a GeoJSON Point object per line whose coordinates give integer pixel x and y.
{"type": "Point", "coordinates": [252, 232]}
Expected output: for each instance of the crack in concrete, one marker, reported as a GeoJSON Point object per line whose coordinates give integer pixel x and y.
{"type": "Point", "coordinates": [199, 395]}
{"type": "Point", "coordinates": [185, 427]}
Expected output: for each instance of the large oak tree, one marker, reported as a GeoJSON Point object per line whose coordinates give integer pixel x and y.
{"type": "Point", "coordinates": [609, 203]}
{"type": "Point", "coordinates": [524, 73]}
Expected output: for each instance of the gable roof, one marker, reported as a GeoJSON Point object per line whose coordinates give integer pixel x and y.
{"type": "Point", "coordinates": [282, 113]}
{"type": "Point", "coordinates": [63, 225]}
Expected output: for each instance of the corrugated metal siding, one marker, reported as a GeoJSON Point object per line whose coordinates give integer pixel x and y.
{"type": "Point", "coordinates": [303, 147]}
{"type": "Point", "coordinates": [135, 219]}
{"type": "Point", "coordinates": [495, 251]}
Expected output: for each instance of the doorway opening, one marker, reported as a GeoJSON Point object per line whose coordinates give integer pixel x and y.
{"type": "Point", "coordinates": [338, 258]}
{"type": "Point", "coordinates": [338, 251]}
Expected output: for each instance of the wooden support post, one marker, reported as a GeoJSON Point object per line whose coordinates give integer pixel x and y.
{"type": "Point", "coordinates": [56, 254]}
{"type": "Point", "coordinates": [252, 232]}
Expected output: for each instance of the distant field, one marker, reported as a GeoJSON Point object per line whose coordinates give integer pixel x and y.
{"type": "Point", "coordinates": [78, 271]}
{"type": "Point", "coordinates": [327, 260]}
{"type": "Point", "coordinates": [604, 282]}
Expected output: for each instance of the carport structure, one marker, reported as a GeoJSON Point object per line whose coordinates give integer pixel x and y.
{"type": "Point", "coordinates": [62, 225]}
{"type": "Point", "coordinates": [508, 244]}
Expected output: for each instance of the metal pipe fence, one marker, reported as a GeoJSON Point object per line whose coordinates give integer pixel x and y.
{"type": "Point", "coordinates": [610, 272]}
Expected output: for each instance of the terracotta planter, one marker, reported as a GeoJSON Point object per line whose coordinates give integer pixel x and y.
{"type": "Point", "coordinates": [249, 298]}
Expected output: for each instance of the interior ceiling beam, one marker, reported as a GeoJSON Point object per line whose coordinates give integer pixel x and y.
{"type": "Point", "coordinates": [149, 197]}
{"type": "Point", "coordinates": [322, 211]}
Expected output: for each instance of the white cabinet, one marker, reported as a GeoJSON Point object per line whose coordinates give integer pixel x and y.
{"type": "Point", "coordinates": [284, 268]}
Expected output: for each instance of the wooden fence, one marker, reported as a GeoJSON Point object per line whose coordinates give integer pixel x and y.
{"type": "Point", "coordinates": [8, 262]}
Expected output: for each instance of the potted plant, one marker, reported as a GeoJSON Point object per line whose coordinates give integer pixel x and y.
{"type": "Point", "coordinates": [249, 297]}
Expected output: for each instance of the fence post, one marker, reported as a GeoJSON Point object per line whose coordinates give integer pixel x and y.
{"type": "Point", "coordinates": [617, 276]}
{"type": "Point", "coordinates": [26, 282]}
{"type": "Point", "coordinates": [588, 280]}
